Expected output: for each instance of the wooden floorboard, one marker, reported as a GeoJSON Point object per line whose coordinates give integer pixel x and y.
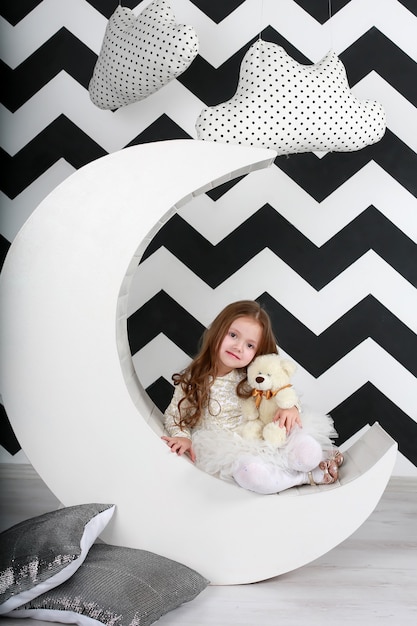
{"type": "Point", "coordinates": [369, 579]}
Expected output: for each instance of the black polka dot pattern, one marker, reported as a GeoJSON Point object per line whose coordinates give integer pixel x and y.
{"type": "Point", "coordinates": [293, 108]}
{"type": "Point", "coordinates": [140, 54]}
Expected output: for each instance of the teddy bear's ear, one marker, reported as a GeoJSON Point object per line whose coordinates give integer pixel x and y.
{"type": "Point", "coordinates": [289, 367]}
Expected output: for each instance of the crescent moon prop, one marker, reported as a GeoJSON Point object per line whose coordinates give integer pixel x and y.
{"type": "Point", "coordinates": [81, 415]}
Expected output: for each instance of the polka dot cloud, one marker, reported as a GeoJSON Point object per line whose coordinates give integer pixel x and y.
{"type": "Point", "coordinates": [140, 54]}
{"type": "Point", "coordinates": [282, 104]}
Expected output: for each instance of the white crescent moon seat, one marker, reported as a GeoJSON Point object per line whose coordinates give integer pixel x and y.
{"type": "Point", "coordinates": [79, 411]}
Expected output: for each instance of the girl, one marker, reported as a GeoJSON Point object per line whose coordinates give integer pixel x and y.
{"type": "Point", "coordinates": [204, 415]}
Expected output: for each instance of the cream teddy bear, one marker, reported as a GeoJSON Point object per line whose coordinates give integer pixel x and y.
{"type": "Point", "coordinates": [269, 377]}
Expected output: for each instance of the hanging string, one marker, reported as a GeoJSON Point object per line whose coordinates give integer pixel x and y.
{"type": "Point", "coordinates": [261, 20]}
{"type": "Point", "coordinates": [330, 24]}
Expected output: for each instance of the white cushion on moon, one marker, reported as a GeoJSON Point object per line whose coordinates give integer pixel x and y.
{"type": "Point", "coordinates": [139, 55]}
{"type": "Point", "coordinates": [282, 104]}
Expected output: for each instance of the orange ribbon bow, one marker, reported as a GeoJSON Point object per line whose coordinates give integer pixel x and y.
{"type": "Point", "coordinates": [258, 394]}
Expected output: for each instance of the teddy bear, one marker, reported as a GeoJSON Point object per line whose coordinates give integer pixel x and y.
{"type": "Point", "coordinates": [269, 377]}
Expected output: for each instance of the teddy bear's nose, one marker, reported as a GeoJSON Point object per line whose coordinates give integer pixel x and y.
{"type": "Point", "coordinates": [259, 379]}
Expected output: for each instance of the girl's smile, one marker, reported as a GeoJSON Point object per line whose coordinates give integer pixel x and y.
{"type": "Point", "coordinates": [239, 346]}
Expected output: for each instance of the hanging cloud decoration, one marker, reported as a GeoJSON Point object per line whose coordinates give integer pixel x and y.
{"type": "Point", "coordinates": [282, 104]}
{"type": "Point", "coordinates": [140, 54]}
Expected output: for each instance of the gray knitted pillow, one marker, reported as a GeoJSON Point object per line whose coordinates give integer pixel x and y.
{"type": "Point", "coordinates": [139, 55]}
{"type": "Point", "coordinates": [44, 551]}
{"type": "Point", "coordinates": [117, 585]}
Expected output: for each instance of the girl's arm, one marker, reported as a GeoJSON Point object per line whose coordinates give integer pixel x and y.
{"type": "Point", "coordinates": [178, 439]}
{"type": "Point", "coordinates": [172, 417]}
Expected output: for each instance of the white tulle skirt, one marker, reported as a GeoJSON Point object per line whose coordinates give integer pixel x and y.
{"type": "Point", "coordinates": [218, 451]}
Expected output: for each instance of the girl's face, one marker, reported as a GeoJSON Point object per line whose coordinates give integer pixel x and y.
{"type": "Point", "coordinates": [239, 346]}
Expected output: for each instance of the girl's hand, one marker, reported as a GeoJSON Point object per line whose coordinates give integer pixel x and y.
{"type": "Point", "coordinates": [180, 445]}
{"type": "Point", "coordinates": [288, 418]}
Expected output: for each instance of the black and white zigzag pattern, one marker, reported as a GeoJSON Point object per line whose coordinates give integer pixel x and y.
{"type": "Point", "coordinates": [328, 243]}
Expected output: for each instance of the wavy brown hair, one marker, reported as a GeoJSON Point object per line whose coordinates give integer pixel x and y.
{"type": "Point", "coordinates": [197, 378]}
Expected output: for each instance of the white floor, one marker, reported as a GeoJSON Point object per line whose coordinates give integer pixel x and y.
{"type": "Point", "coordinates": [369, 579]}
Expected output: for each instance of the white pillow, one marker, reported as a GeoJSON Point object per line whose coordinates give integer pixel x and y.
{"type": "Point", "coordinates": [282, 104]}
{"type": "Point", "coordinates": [139, 55]}
{"type": "Point", "coordinates": [42, 552]}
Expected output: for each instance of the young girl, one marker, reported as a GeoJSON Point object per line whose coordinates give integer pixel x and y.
{"type": "Point", "coordinates": [204, 415]}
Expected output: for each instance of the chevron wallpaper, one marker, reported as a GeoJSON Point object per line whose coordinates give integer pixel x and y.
{"type": "Point", "coordinates": [327, 242]}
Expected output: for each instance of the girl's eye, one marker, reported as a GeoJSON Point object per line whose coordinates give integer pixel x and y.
{"type": "Point", "coordinates": [232, 334]}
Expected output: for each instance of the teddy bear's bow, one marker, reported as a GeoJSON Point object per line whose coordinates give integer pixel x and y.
{"type": "Point", "coordinates": [258, 394]}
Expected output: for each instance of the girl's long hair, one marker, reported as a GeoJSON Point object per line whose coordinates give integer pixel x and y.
{"type": "Point", "coordinates": [197, 378]}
